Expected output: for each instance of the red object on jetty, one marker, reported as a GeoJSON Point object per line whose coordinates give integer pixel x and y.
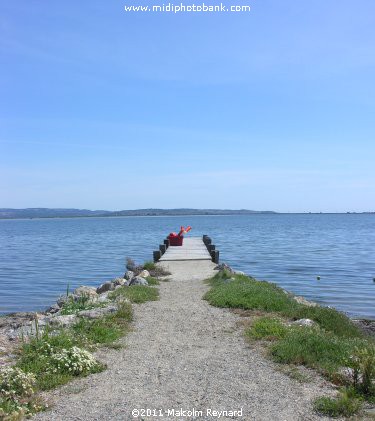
{"type": "Point", "coordinates": [175, 239]}
{"type": "Point", "coordinates": [178, 239]}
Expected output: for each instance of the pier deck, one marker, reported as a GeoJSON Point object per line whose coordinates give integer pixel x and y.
{"type": "Point", "coordinates": [193, 248]}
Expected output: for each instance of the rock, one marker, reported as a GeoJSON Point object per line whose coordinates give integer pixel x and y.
{"type": "Point", "coordinates": [224, 266]}
{"type": "Point", "coordinates": [64, 298]}
{"type": "Point", "coordinates": [129, 275]}
{"type": "Point", "coordinates": [103, 297]}
{"type": "Point", "coordinates": [16, 320]}
{"type": "Point", "coordinates": [53, 309]}
{"type": "Point", "coordinates": [304, 322]}
{"type": "Point", "coordinates": [63, 321]}
{"type": "Point", "coordinates": [367, 326]}
{"type": "Point", "coordinates": [137, 280]}
{"type": "Point", "coordinates": [96, 313]}
{"type": "Point", "coordinates": [85, 291]}
{"type": "Point", "coordinates": [107, 286]}
{"type": "Point", "coordinates": [301, 300]}
{"type": "Point", "coordinates": [119, 281]}
{"type": "Point", "coordinates": [347, 373]}
{"type": "Point", "coordinates": [370, 412]}
{"type": "Point", "coordinates": [239, 272]}
{"type": "Point", "coordinates": [144, 274]}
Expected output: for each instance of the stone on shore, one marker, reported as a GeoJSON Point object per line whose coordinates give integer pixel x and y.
{"type": "Point", "coordinates": [64, 298]}
{"type": "Point", "coordinates": [129, 275]}
{"type": "Point", "coordinates": [62, 321]}
{"type": "Point", "coordinates": [84, 291]}
{"type": "Point", "coordinates": [103, 297]}
{"type": "Point", "coordinates": [301, 300]}
{"type": "Point", "coordinates": [96, 313]}
{"type": "Point", "coordinates": [119, 281]}
{"type": "Point", "coordinates": [54, 308]}
{"type": "Point", "coordinates": [107, 286]}
{"type": "Point", "coordinates": [137, 280]}
{"type": "Point", "coordinates": [144, 274]}
{"type": "Point", "coordinates": [224, 267]}
{"type": "Point", "coordinates": [304, 322]}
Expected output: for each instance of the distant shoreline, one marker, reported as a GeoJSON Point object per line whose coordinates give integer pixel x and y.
{"type": "Point", "coordinates": [50, 213]}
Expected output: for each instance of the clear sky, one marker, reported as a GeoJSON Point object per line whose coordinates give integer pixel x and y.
{"type": "Point", "coordinates": [268, 110]}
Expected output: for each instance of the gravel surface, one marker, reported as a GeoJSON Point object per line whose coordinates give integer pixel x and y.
{"type": "Point", "coordinates": [185, 354]}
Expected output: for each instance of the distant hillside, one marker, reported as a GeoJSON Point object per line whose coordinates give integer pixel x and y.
{"type": "Point", "coordinates": [6, 213]}
{"type": "Point", "coordinates": [48, 213]}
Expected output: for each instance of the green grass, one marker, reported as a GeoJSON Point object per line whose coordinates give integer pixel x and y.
{"type": "Point", "coordinates": [346, 404]}
{"type": "Point", "coordinates": [105, 330]}
{"type": "Point", "coordinates": [334, 342]}
{"type": "Point", "coordinates": [136, 294]}
{"type": "Point", "coordinates": [249, 294]}
{"type": "Point", "coordinates": [268, 328]}
{"type": "Point", "coordinates": [152, 281]}
{"type": "Point", "coordinates": [327, 318]}
{"type": "Point", "coordinates": [295, 373]}
{"type": "Point", "coordinates": [85, 334]}
{"type": "Point", "coordinates": [149, 266]}
{"type": "Point", "coordinates": [315, 348]}
{"type": "Point", "coordinates": [83, 303]}
{"type": "Point", "coordinates": [33, 358]}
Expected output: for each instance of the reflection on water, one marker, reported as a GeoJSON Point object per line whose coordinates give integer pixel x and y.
{"type": "Point", "coordinates": [38, 258]}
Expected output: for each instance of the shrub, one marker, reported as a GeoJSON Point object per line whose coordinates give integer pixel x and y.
{"type": "Point", "coordinates": [15, 383]}
{"type": "Point", "coordinates": [17, 394]}
{"type": "Point", "coordinates": [362, 362]}
{"type": "Point", "coordinates": [347, 404]}
{"type": "Point", "coordinates": [74, 361]}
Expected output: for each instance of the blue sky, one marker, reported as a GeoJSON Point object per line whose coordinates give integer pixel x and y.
{"type": "Point", "coordinates": [268, 110]}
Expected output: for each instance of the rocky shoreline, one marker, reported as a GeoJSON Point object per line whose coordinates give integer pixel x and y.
{"type": "Point", "coordinates": [16, 327]}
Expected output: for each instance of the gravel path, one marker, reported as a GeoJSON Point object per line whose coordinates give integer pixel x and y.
{"type": "Point", "coordinates": [183, 353]}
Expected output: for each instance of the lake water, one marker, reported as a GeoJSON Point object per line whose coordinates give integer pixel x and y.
{"type": "Point", "coordinates": [40, 257]}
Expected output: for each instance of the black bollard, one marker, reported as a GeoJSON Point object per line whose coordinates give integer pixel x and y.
{"type": "Point", "coordinates": [215, 256]}
{"type": "Point", "coordinates": [157, 255]}
{"type": "Point", "coordinates": [162, 248]}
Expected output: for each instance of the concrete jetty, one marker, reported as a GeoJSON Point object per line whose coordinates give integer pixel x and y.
{"type": "Point", "coordinates": [193, 248]}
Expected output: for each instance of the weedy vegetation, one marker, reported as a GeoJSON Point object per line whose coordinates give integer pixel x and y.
{"type": "Point", "coordinates": [347, 404]}
{"type": "Point", "coordinates": [331, 345]}
{"type": "Point", "coordinates": [83, 302]}
{"type": "Point", "coordinates": [54, 356]}
{"type": "Point", "coordinates": [152, 281]}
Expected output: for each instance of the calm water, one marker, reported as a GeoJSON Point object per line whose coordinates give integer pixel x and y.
{"type": "Point", "coordinates": [38, 258]}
